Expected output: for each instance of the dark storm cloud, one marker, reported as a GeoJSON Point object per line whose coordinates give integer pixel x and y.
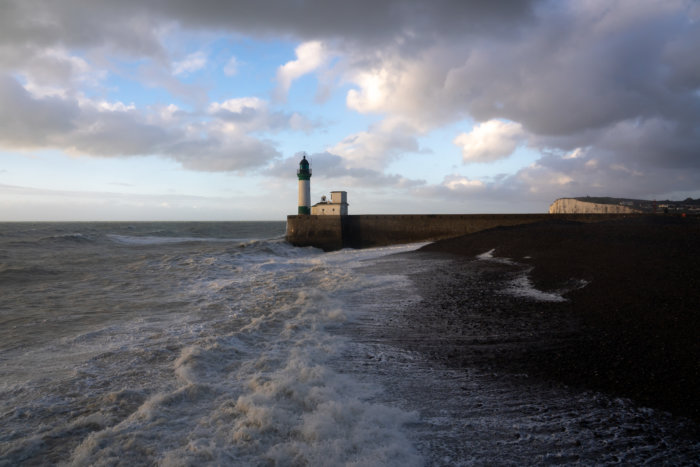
{"type": "Point", "coordinates": [363, 21]}
{"type": "Point", "coordinates": [132, 25]}
{"type": "Point", "coordinates": [29, 121]}
{"type": "Point", "coordinates": [620, 79]}
{"type": "Point", "coordinates": [81, 24]}
{"type": "Point", "coordinates": [654, 143]}
{"type": "Point", "coordinates": [581, 72]}
{"type": "Point", "coordinates": [25, 120]}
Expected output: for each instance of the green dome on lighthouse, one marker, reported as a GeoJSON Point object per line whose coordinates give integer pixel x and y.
{"type": "Point", "coordinates": [304, 172]}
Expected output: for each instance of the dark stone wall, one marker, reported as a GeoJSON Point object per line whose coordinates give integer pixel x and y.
{"type": "Point", "coordinates": [319, 231]}
{"type": "Point", "coordinates": [332, 233]}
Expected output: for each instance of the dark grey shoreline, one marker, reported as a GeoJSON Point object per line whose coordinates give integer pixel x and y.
{"type": "Point", "coordinates": [632, 331]}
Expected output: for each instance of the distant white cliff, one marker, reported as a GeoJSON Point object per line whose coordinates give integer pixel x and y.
{"type": "Point", "coordinates": [575, 206]}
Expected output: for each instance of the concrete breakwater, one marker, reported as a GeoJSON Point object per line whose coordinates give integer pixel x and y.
{"type": "Point", "coordinates": [363, 231]}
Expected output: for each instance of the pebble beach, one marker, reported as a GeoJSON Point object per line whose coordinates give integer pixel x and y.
{"type": "Point", "coordinates": [629, 320]}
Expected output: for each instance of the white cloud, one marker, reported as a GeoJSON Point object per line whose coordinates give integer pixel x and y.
{"type": "Point", "coordinates": [254, 114]}
{"type": "Point", "coordinates": [77, 64]}
{"type": "Point", "coordinates": [104, 105]}
{"type": "Point", "coordinates": [193, 62]}
{"type": "Point", "coordinates": [168, 113]}
{"type": "Point", "coordinates": [378, 146]}
{"type": "Point", "coordinates": [53, 71]}
{"type": "Point", "coordinates": [224, 149]}
{"type": "Point", "coordinates": [310, 56]}
{"type": "Point", "coordinates": [490, 141]}
{"type": "Point", "coordinates": [460, 183]}
{"type": "Point", "coordinates": [406, 87]}
{"type": "Point", "coordinates": [102, 128]}
{"type": "Point", "coordinates": [374, 88]}
{"type": "Point", "coordinates": [238, 105]}
{"type": "Point", "coordinates": [575, 154]}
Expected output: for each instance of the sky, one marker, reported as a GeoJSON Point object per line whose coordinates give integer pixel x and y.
{"type": "Point", "coordinates": [183, 110]}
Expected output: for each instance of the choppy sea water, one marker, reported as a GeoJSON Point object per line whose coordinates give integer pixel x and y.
{"type": "Point", "coordinates": [219, 343]}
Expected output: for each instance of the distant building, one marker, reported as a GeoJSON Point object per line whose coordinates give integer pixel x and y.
{"type": "Point", "coordinates": [337, 206]}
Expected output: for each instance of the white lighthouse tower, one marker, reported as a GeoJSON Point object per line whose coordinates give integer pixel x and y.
{"type": "Point", "coordinates": [304, 174]}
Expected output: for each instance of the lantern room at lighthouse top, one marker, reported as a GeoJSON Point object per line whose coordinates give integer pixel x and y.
{"type": "Point", "coordinates": [304, 172]}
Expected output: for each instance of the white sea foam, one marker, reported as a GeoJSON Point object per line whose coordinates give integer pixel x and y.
{"type": "Point", "coordinates": [522, 287]}
{"type": "Point", "coordinates": [71, 237]}
{"type": "Point", "coordinates": [488, 256]}
{"type": "Point", "coordinates": [260, 389]}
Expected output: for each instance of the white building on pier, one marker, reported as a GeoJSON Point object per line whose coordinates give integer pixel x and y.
{"type": "Point", "coordinates": [337, 206]}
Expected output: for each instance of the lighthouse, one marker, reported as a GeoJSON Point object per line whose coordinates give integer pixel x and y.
{"type": "Point", "coordinates": [304, 174]}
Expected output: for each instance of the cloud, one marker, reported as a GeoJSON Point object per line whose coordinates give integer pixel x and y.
{"type": "Point", "coordinates": [490, 141]}
{"type": "Point", "coordinates": [29, 122]}
{"type": "Point", "coordinates": [310, 55]}
{"type": "Point", "coordinates": [159, 77]}
{"type": "Point", "coordinates": [364, 22]}
{"type": "Point", "coordinates": [193, 62]}
{"type": "Point", "coordinates": [329, 166]}
{"type": "Point", "coordinates": [406, 87]}
{"type": "Point", "coordinates": [578, 66]}
{"type": "Point", "coordinates": [378, 146]}
{"type": "Point", "coordinates": [137, 29]}
{"type": "Point", "coordinates": [459, 183]}
{"type": "Point", "coordinates": [223, 151]}
{"type": "Point", "coordinates": [238, 109]}
{"type": "Point", "coordinates": [653, 143]}
{"type": "Point", "coordinates": [112, 129]}
{"type": "Point", "coordinates": [619, 81]}
{"type": "Point", "coordinates": [252, 114]}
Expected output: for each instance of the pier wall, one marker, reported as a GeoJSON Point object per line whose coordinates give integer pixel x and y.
{"type": "Point", "coordinates": [363, 231]}
{"type": "Point", "coordinates": [324, 232]}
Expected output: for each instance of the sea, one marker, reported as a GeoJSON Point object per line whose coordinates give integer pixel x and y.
{"type": "Point", "coordinates": [218, 343]}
